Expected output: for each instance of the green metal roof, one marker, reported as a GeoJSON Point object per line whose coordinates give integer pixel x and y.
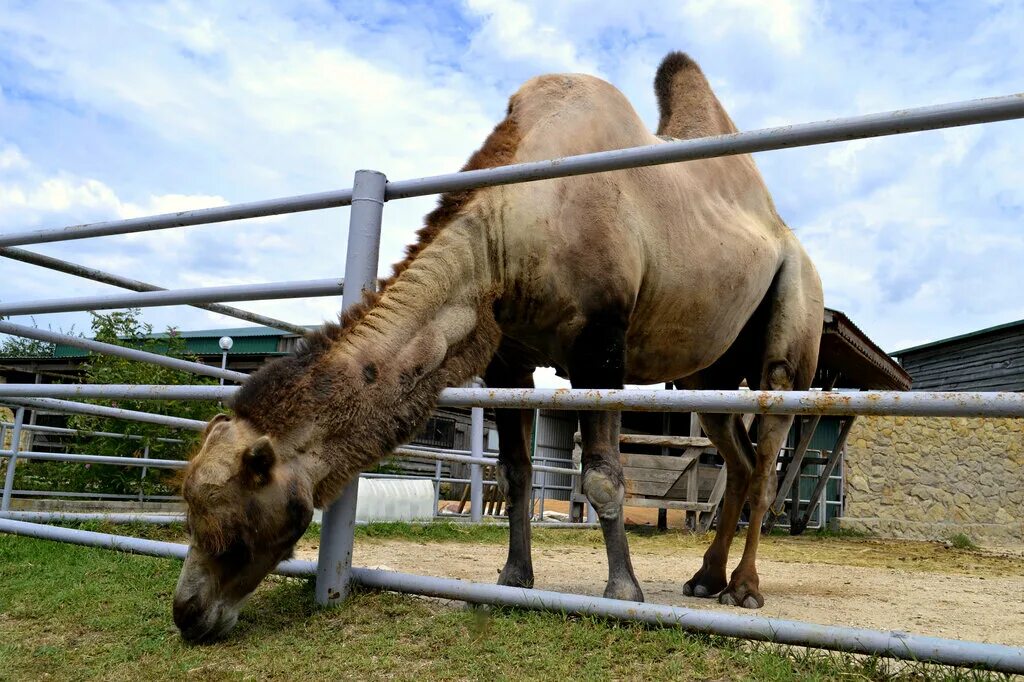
{"type": "Point", "coordinates": [247, 341]}
{"type": "Point", "coordinates": [233, 332]}
{"type": "Point", "coordinates": [961, 337]}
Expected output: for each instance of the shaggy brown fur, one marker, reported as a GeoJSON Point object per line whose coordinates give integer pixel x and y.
{"type": "Point", "coordinates": [252, 400]}
{"type": "Point", "coordinates": [688, 107]}
{"type": "Point", "coordinates": [259, 397]}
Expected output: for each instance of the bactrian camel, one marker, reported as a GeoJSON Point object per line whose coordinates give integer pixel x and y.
{"type": "Point", "coordinates": [682, 272]}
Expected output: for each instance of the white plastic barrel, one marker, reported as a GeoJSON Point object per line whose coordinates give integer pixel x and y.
{"type": "Point", "coordinates": [392, 499]}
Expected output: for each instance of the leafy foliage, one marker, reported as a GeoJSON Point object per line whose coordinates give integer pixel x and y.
{"type": "Point", "coordinates": [124, 328]}
{"type": "Point", "coordinates": [20, 347]}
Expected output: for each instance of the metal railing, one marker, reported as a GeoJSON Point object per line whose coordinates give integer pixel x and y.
{"type": "Point", "coordinates": [367, 197]}
{"type": "Point", "coordinates": [411, 452]}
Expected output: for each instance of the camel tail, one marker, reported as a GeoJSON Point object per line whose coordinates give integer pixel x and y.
{"type": "Point", "coordinates": [687, 105]}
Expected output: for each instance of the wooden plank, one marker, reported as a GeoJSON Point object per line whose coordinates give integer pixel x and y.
{"type": "Point", "coordinates": [665, 441]}
{"type": "Point", "coordinates": [969, 347]}
{"type": "Point", "coordinates": [645, 474]}
{"type": "Point", "coordinates": [647, 488]}
{"type": "Point", "coordinates": [650, 503]}
{"type": "Point", "coordinates": [657, 461]}
{"type": "Point", "coordinates": [974, 362]}
{"type": "Point", "coordinates": [992, 369]}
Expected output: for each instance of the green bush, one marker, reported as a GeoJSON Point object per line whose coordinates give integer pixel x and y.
{"type": "Point", "coordinates": [124, 328]}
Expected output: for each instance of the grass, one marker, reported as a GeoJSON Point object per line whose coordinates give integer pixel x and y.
{"type": "Point", "coordinates": [71, 612]}
{"type": "Point", "coordinates": [963, 541]}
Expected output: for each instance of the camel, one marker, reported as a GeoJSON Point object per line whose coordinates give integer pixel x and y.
{"type": "Point", "coordinates": [682, 273]}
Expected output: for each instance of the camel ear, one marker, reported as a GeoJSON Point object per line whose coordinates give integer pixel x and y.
{"type": "Point", "coordinates": [258, 460]}
{"type": "Point", "coordinates": [217, 419]}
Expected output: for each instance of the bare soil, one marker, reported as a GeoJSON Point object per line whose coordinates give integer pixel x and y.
{"type": "Point", "coordinates": [917, 587]}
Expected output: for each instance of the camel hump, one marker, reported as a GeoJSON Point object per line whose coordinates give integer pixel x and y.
{"type": "Point", "coordinates": [687, 105]}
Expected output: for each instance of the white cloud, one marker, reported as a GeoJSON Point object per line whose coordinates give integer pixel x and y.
{"type": "Point", "coordinates": [916, 237]}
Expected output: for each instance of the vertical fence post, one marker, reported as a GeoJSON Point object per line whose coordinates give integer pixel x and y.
{"type": "Point", "coordinates": [476, 473]}
{"type": "Point", "coordinates": [334, 566]}
{"type": "Point", "coordinates": [142, 479]}
{"type": "Point", "coordinates": [19, 420]}
{"type": "Point", "coordinates": [437, 486]}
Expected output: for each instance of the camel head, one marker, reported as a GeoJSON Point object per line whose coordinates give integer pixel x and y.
{"type": "Point", "coordinates": [248, 504]}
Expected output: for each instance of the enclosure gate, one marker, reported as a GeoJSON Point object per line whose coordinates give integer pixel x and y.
{"type": "Point", "coordinates": [367, 197]}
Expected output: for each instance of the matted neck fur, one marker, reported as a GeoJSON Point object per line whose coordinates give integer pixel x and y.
{"type": "Point", "coordinates": [681, 272]}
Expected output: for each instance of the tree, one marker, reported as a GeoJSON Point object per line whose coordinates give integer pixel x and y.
{"type": "Point", "coordinates": [124, 328]}
{"type": "Point", "coordinates": [20, 347]}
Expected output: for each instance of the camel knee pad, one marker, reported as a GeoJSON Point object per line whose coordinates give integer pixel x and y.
{"type": "Point", "coordinates": [604, 493]}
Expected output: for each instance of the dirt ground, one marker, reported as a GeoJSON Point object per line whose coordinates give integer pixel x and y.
{"type": "Point", "coordinates": [916, 587]}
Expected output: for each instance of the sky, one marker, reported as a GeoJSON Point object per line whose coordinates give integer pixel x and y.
{"type": "Point", "coordinates": [120, 109]}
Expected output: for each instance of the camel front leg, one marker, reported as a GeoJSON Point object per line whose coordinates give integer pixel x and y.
{"type": "Point", "coordinates": [604, 486]}
{"type": "Point", "coordinates": [515, 472]}
{"type": "Point", "coordinates": [598, 361]}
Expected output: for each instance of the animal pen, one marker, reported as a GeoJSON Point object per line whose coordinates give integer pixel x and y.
{"type": "Point", "coordinates": [334, 572]}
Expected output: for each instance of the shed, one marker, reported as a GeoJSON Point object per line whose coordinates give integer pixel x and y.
{"type": "Point", "coordinates": [990, 359]}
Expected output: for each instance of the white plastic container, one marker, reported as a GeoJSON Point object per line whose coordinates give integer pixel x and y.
{"type": "Point", "coordinates": [392, 499]}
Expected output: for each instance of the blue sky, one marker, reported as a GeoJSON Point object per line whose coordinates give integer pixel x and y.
{"type": "Point", "coordinates": [112, 110]}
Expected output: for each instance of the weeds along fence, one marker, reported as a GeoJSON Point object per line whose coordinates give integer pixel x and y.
{"type": "Point", "coordinates": [333, 570]}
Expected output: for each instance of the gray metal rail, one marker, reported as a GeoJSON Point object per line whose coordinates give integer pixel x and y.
{"type": "Point", "coordinates": [152, 299]}
{"type": "Point", "coordinates": [108, 517]}
{"type": "Point", "coordinates": [836, 130]}
{"type": "Point", "coordinates": [252, 209]}
{"type": "Point", "coordinates": [97, 459]}
{"type": "Point", "coordinates": [73, 407]}
{"type": "Point", "coordinates": [121, 352]}
{"type": "Point", "coordinates": [51, 263]}
{"type": "Point", "coordinates": [902, 645]}
{"type": "Point", "coordinates": [60, 431]}
{"type": "Point", "coordinates": [913, 404]}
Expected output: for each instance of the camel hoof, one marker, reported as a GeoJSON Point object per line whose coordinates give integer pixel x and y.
{"type": "Point", "coordinates": [516, 576]}
{"type": "Point", "coordinates": [693, 588]}
{"type": "Point", "coordinates": [751, 601]}
{"type": "Point", "coordinates": [624, 591]}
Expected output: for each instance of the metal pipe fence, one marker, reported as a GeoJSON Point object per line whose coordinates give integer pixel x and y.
{"type": "Point", "coordinates": [153, 299]}
{"type": "Point", "coordinates": [406, 453]}
{"type": "Point", "coordinates": [367, 196]}
{"type": "Point", "coordinates": [73, 407]}
{"type": "Point", "coordinates": [971, 112]}
{"type": "Point", "coordinates": [61, 431]}
{"type": "Point", "coordinates": [120, 352]}
{"type": "Point", "coordinates": [863, 403]}
{"type": "Point", "coordinates": [95, 275]}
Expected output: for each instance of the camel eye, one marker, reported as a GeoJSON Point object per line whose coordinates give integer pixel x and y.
{"type": "Point", "coordinates": [236, 554]}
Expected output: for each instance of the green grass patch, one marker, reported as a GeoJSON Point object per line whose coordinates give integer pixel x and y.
{"type": "Point", "coordinates": [70, 612]}
{"type": "Point", "coordinates": [963, 541]}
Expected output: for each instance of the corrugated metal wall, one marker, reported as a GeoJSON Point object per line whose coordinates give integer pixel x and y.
{"type": "Point", "coordinates": [554, 434]}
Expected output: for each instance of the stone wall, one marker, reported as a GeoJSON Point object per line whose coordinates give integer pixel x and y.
{"type": "Point", "coordinates": [930, 478]}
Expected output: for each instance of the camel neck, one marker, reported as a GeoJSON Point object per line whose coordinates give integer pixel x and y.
{"type": "Point", "coordinates": [431, 328]}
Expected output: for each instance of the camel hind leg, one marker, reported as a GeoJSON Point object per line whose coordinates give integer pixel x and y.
{"type": "Point", "coordinates": [779, 351]}
{"type": "Point", "coordinates": [791, 338]}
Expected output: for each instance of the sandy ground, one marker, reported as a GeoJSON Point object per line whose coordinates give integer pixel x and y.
{"type": "Point", "coordinates": [974, 599]}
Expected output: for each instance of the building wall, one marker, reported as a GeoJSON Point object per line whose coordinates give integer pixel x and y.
{"type": "Point", "coordinates": [930, 478]}
{"type": "Point", "coordinates": [992, 361]}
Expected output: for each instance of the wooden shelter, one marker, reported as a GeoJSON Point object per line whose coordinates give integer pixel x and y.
{"type": "Point", "coordinates": [681, 469]}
